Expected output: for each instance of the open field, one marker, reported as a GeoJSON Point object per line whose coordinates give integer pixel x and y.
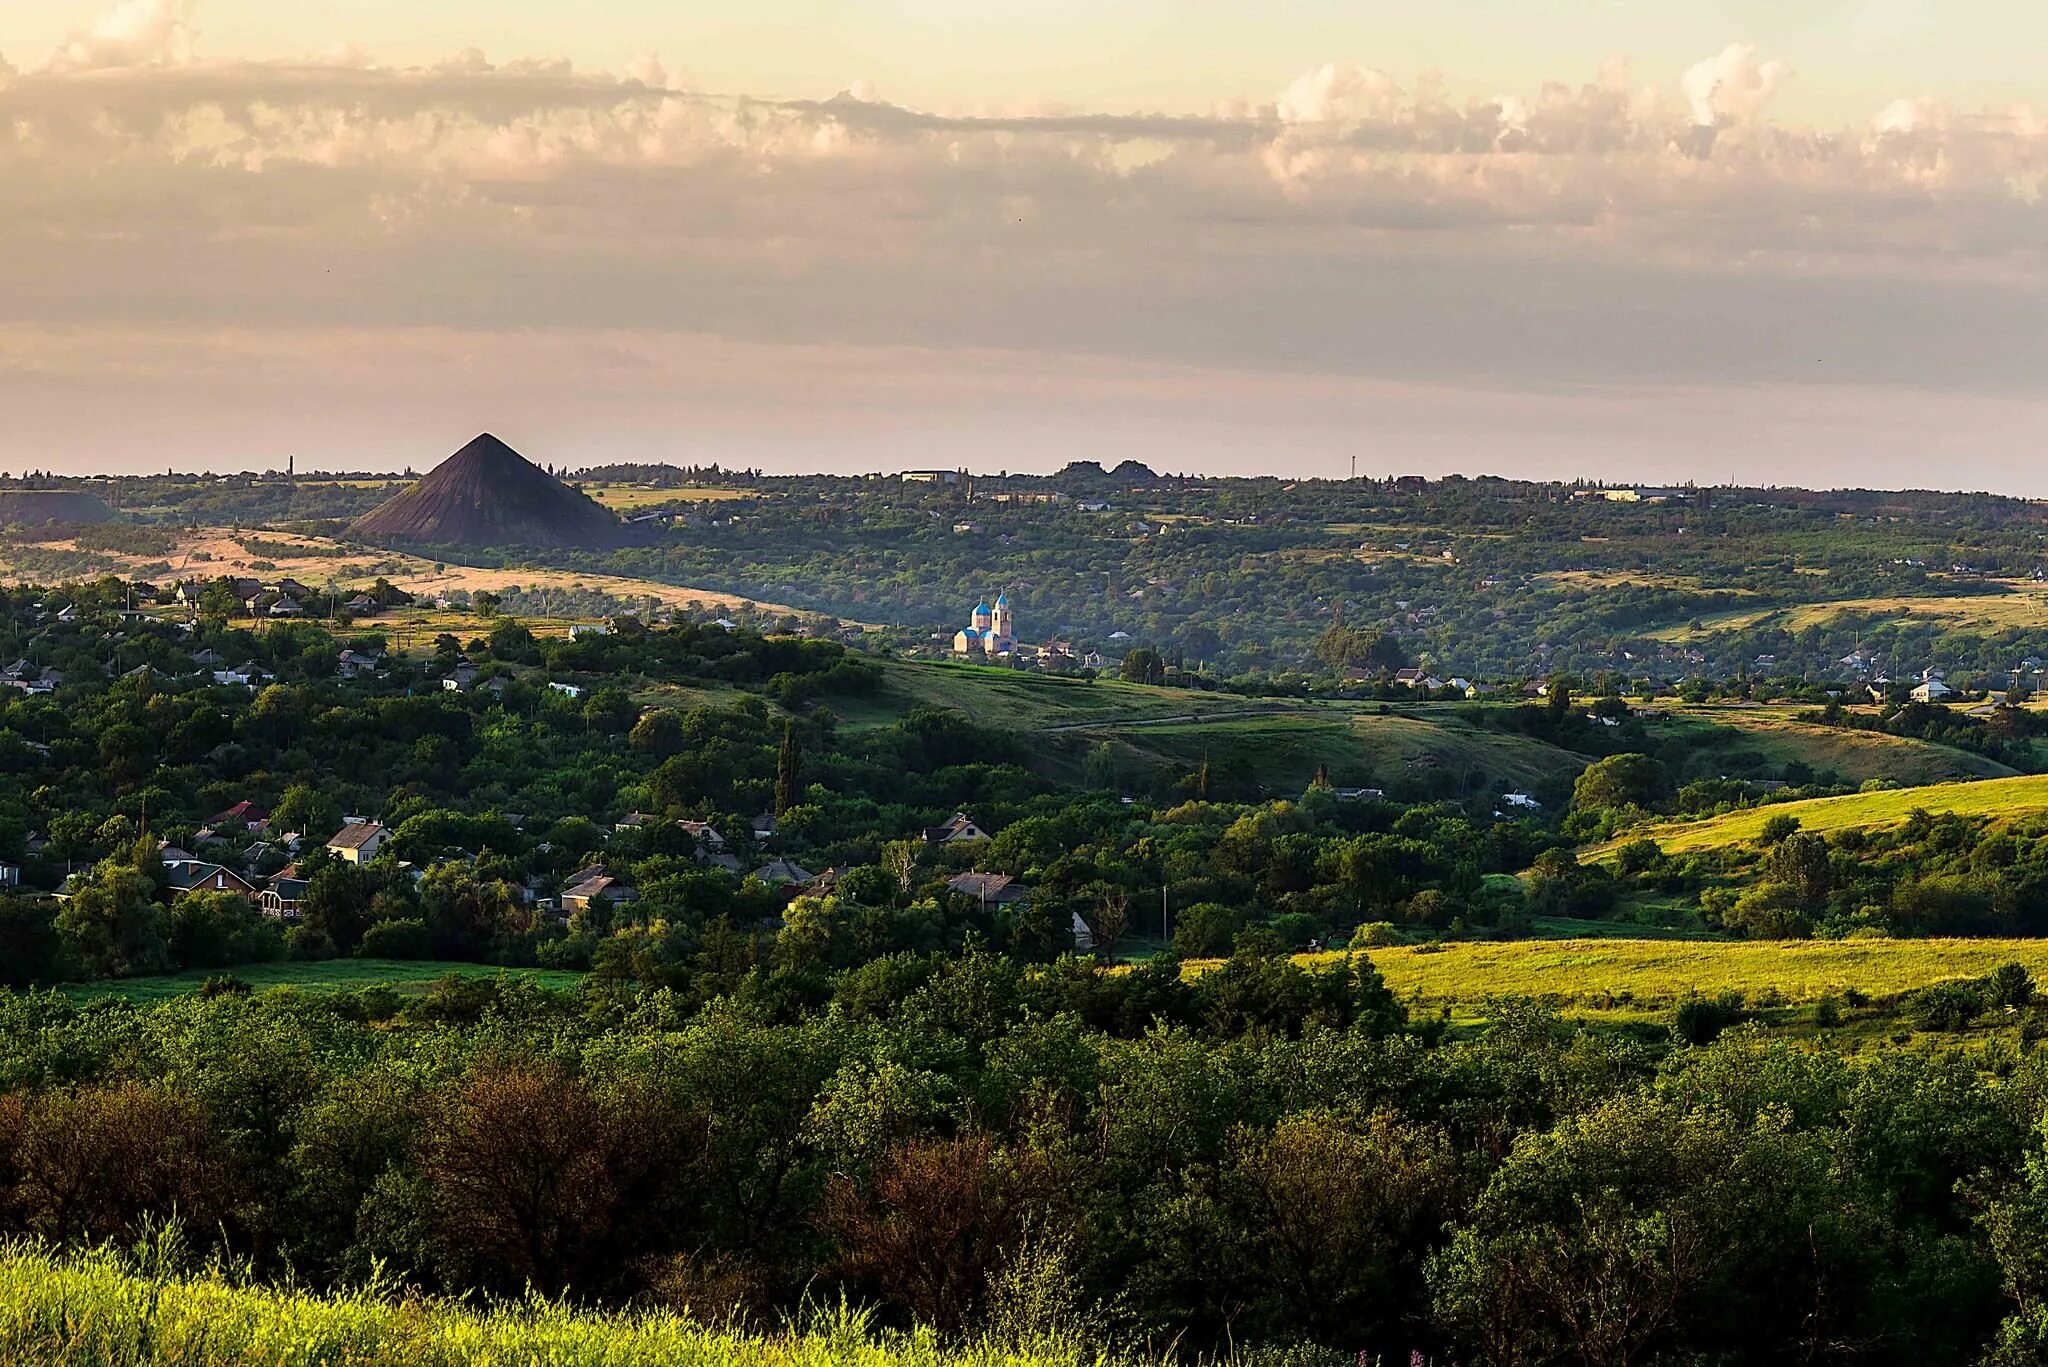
{"type": "Point", "coordinates": [212, 552]}
{"type": "Point", "coordinates": [2025, 606]}
{"type": "Point", "coordinates": [1856, 756]}
{"type": "Point", "coordinates": [1996, 797]}
{"type": "Point", "coordinates": [1650, 975]}
{"type": "Point", "coordinates": [628, 497]}
{"type": "Point", "coordinates": [331, 975]}
{"type": "Point", "coordinates": [90, 1309]}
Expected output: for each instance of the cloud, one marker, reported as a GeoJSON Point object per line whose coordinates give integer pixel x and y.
{"type": "Point", "coordinates": [133, 33]}
{"type": "Point", "coordinates": [1732, 85]}
{"type": "Point", "coordinates": [1588, 231]}
{"type": "Point", "coordinates": [1338, 92]}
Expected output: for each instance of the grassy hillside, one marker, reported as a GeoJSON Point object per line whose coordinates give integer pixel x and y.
{"type": "Point", "coordinates": [1998, 797]}
{"type": "Point", "coordinates": [330, 975]}
{"type": "Point", "coordinates": [2023, 607]}
{"type": "Point", "coordinates": [1653, 975]}
{"type": "Point", "coordinates": [1025, 701]}
{"type": "Point", "coordinates": [1282, 753]}
{"type": "Point", "coordinates": [90, 1310]}
{"type": "Point", "coordinates": [1775, 738]}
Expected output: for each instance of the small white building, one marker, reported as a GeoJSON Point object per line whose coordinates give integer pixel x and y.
{"type": "Point", "coordinates": [359, 841]}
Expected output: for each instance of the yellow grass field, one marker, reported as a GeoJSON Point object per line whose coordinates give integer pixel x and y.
{"type": "Point", "coordinates": [1992, 797]}
{"type": "Point", "coordinates": [213, 551]}
{"type": "Point", "coordinates": [2026, 606]}
{"type": "Point", "coordinates": [1652, 974]}
{"type": "Point", "coordinates": [1855, 755]}
{"type": "Point", "coordinates": [630, 496]}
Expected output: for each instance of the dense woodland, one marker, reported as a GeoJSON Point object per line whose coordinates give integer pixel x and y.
{"type": "Point", "coordinates": [973, 1143]}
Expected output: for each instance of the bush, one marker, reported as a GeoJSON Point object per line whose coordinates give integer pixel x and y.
{"type": "Point", "coordinates": [1777, 828]}
{"type": "Point", "coordinates": [2010, 986]}
{"type": "Point", "coordinates": [1945, 1006]}
{"type": "Point", "coordinates": [397, 940]}
{"type": "Point", "coordinates": [1700, 1020]}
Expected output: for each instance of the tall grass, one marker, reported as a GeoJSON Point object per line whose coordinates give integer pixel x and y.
{"type": "Point", "coordinates": [104, 1310]}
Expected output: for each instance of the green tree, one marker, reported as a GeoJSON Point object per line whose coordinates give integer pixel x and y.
{"type": "Point", "coordinates": [114, 927]}
{"type": "Point", "coordinates": [1144, 666]}
{"type": "Point", "coordinates": [788, 771]}
{"type": "Point", "coordinates": [1629, 780]}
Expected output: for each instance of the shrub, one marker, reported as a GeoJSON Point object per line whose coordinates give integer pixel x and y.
{"type": "Point", "coordinates": [2010, 985]}
{"type": "Point", "coordinates": [1777, 828]}
{"type": "Point", "coordinates": [397, 940]}
{"type": "Point", "coordinates": [1945, 1006]}
{"type": "Point", "coordinates": [1700, 1020]}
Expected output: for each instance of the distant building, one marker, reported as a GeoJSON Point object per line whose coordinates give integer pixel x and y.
{"type": "Point", "coordinates": [592, 884]}
{"type": "Point", "coordinates": [990, 889]}
{"type": "Point", "coordinates": [947, 477]}
{"type": "Point", "coordinates": [194, 875]}
{"type": "Point", "coordinates": [990, 631]}
{"type": "Point", "coordinates": [359, 842]}
{"type": "Point", "coordinates": [960, 830]}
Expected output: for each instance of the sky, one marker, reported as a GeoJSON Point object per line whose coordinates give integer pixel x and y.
{"type": "Point", "coordinates": [1794, 242]}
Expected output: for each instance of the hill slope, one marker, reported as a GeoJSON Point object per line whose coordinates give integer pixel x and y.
{"type": "Point", "coordinates": [1719, 737]}
{"type": "Point", "coordinates": [1994, 797]}
{"type": "Point", "coordinates": [487, 494]}
{"type": "Point", "coordinates": [35, 507]}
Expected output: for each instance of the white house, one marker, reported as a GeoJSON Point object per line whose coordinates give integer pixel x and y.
{"type": "Point", "coordinates": [358, 842]}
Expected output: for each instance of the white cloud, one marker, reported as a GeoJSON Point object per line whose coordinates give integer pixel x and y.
{"type": "Point", "coordinates": [1338, 92]}
{"type": "Point", "coordinates": [1732, 84]}
{"type": "Point", "coordinates": [133, 33]}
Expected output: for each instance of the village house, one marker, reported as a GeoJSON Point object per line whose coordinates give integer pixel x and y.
{"type": "Point", "coordinates": [280, 900]}
{"type": "Point", "coordinates": [354, 664]}
{"type": "Point", "coordinates": [960, 830]}
{"type": "Point", "coordinates": [590, 884]}
{"type": "Point", "coordinates": [783, 873]}
{"type": "Point", "coordinates": [990, 889]}
{"type": "Point", "coordinates": [244, 815]}
{"type": "Point", "coordinates": [247, 674]}
{"type": "Point", "coordinates": [194, 875]}
{"type": "Point", "coordinates": [461, 679]}
{"type": "Point", "coordinates": [359, 841]}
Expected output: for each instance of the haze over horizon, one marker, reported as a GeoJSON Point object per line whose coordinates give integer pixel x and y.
{"type": "Point", "coordinates": [1794, 244]}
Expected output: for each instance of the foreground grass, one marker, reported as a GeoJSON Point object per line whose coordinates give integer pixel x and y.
{"type": "Point", "coordinates": [93, 1310]}
{"type": "Point", "coordinates": [1654, 975]}
{"type": "Point", "coordinates": [1996, 797]}
{"type": "Point", "coordinates": [328, 975]}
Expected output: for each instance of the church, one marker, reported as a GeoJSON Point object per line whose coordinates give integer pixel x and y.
{"type": "Point", "coordinates": [990, 631]}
